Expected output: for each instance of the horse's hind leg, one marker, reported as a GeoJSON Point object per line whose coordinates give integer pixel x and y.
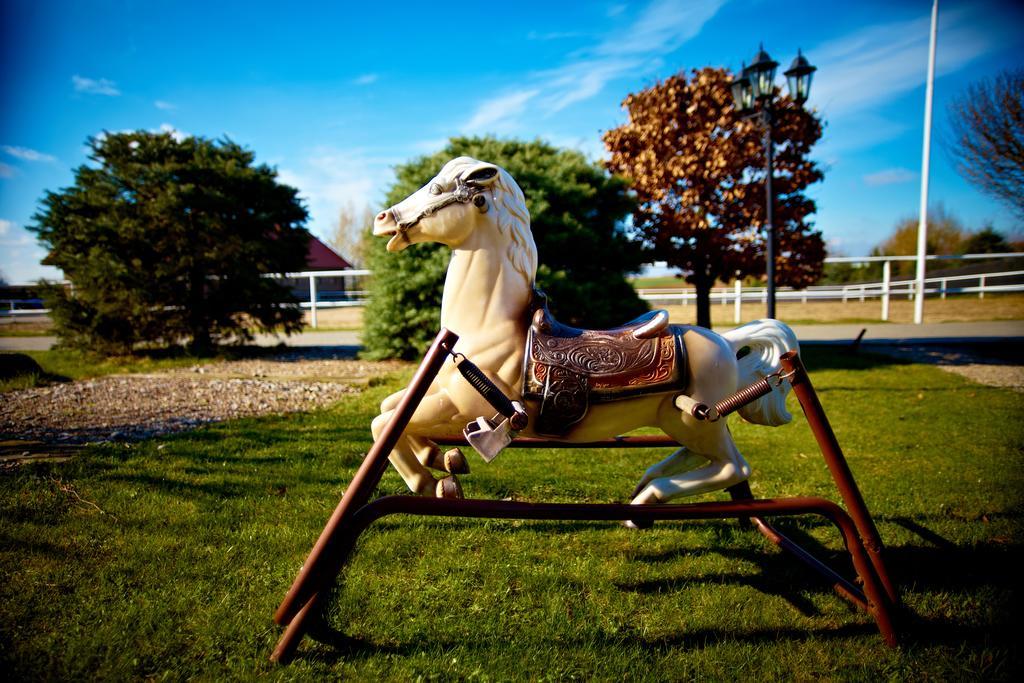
{"type": "Point", "coordinates": [680, 461]}
{"type": "Point", "coordinates": [725, 466]}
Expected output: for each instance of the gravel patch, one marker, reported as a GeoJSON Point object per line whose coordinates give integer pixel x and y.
{"type": "Point", "coordinates": [129, 407]}
{"type": "Point", "coordinates": [995, 365]}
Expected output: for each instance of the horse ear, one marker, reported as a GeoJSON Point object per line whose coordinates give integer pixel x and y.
{"type": "Point", "coordinates": [483, 175]}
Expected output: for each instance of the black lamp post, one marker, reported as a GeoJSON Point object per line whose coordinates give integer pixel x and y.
{"type": "Point", "coordinates": [754, 96]}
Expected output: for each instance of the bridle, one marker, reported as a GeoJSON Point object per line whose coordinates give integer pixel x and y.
{"type": "Point", "coordinates": [465, 191]}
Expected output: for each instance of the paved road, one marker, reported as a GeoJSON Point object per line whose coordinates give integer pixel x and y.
{"type": "Point", "coordinates": [875, 333]}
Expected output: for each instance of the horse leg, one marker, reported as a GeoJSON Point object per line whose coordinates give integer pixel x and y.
{"type": "Point", "coordinates": [712, 440]}
{"type": "Point", "coordinates": [435, 409]}
{"type": "Point", "coordinates": [680, 461]}
{"type": "Point", "coordinates": [430, 455]}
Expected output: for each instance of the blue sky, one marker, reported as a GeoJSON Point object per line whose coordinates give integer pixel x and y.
{"type": "Point", "coordinates": [335, 95]}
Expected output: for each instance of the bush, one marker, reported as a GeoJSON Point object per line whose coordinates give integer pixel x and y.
{"type": "Point", "coordinates": [167, 240]}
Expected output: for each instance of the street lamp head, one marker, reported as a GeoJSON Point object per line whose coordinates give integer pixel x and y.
{"type": "Point", "coordinates": [742, 95]}
{"type": "Point", "coordinates": [799, 78]}
{"type": "Point", "coordinates": [761, 73]}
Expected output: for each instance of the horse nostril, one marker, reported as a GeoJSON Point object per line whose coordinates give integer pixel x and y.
{"type": "Point", "coordinates": [382, 215]}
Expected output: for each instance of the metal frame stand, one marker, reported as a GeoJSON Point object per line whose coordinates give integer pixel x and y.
{"type": "Point", "coordinates": [877, 594]}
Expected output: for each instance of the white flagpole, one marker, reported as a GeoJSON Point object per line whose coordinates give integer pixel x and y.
{"type": "Point", "coordinates": [922, 226]}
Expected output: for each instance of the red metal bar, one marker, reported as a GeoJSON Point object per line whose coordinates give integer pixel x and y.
{"type": "Point", "coordinates": [354, 514]}
{"type": "Point", "coordinates": [617, 442]}
{"type": "Point", "coordinates": [839, 583]}
{"type": "Point", "coordinates": [846, 589]}
{"type": "Point", "coordinates": [312, 575]}
{"type": "Point", "coordinates": [837, 465]}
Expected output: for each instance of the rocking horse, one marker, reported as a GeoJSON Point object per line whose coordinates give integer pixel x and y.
{"type": "Point", "coordinates": [575, 385]}
{"type": "Point", "coordinates": [553, 385]}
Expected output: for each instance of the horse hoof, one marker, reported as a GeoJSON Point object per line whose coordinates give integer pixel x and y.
{"type": "Point", "coordinates": [455, 462]}
{"type": "Point", "coordinates": [449, 487]}
{"type": "Point", "coordinates": [638, 523]}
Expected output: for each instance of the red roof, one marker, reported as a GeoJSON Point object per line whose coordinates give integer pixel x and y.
{"type": "Point", "coordinates": [319, 256]}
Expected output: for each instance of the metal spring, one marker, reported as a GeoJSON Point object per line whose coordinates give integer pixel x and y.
{"type": "Point", "coordinates": [744, 396]}
{"type": "Point", "coordinates": [479, 381]}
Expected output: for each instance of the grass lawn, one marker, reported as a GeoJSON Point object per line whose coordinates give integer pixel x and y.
{"type": "Point", "coordinates": [167, 558]}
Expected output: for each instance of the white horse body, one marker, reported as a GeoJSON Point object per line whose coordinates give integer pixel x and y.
{"type": "Point", "coordinates": [477, 210]}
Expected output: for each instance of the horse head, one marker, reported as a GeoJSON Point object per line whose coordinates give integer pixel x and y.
{"type": "Point", "coordinates": [465, 197]}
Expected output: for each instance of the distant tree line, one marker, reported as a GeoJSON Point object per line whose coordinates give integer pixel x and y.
{"type": "Point", "coordinates": [947, 236]}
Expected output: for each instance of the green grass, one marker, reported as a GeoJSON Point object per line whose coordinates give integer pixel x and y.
{"type": "Point", "coordinates": [664, 282]}
{"type": "Point", "coordinates": [166, 559]}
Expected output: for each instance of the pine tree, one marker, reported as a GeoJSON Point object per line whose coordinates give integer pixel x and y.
{"type": "Point", "coordinates": [167, 240]}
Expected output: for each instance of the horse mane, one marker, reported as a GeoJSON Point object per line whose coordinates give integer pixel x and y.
{"type": "Point", "coordinates": [513, 218]}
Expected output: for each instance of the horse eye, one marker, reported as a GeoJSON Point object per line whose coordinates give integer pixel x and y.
{"type": "Point", "coordinates": [435, 188]}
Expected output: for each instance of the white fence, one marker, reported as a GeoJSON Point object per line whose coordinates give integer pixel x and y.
{"type": "Point", "coordinates": [737, 295]}
{"type": "Point", "coordinates": [885, 290]}
{"type": "Point", "coordinates": [348, 298]}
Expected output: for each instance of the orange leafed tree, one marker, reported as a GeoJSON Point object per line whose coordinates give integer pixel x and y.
{"type": "Point", "coordinates": [698, 170]}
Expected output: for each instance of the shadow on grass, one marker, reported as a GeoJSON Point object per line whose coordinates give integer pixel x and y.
{"type": "Point", "coordinates": [348, 647]}
{"type": "Point", "coordinates": [845, 358]}
{"type": "Point", "coordinates": [187, 489]}
{"type": "Point", "coordinates": [938, 567]}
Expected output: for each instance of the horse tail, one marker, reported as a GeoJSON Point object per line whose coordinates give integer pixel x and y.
{"type": "Point", "coordinates": [758, 346]}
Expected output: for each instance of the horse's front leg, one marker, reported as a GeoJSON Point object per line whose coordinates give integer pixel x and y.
{"type": "Point", "coordinates": [435, 409]}
{"type": "Point", "coordinates": [430, 455]}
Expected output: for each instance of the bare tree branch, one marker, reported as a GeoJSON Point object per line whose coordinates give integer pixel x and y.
{"type": "Point", "coordinates": [988, 130]}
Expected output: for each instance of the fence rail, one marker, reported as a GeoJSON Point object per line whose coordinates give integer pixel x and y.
{"type": "Point", "coordinates": [884, 291]}
{"type": "Point", "coordinates": [737, 294]}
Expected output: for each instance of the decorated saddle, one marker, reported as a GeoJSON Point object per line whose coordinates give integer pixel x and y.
{"type": "Point", "coordinates": [566, 369]}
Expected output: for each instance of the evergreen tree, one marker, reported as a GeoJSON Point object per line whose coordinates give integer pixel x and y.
{"type": "Point", "coordinates": [577, 211]}
{"type": "Point", "coordinates": [167, 240]}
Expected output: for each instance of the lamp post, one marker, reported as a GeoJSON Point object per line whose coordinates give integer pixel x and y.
{"type": "Point", "coordinates": [754, 96]}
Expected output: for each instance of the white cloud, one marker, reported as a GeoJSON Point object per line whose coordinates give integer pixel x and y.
{"type": "Point", "coordinates": [890, 176]}
{"type": "Point", "coordinates": [880, 62]}
{"type": "Point", "coordinates": [27, 154]}
{"type": "Point", "coordinates": [582, 80]}
{"type": "Point", "coordinates": [366, 79]}
{"type": "Point", "coordinates": [588, 145]}
{"type": "Point", "coordinates": [616, 10]}
{"type": "Point", "coordinates": [661, 27]}
{"type": "Point", "coordinates": [95, 86]}
{"type": "Point", "coordinates": [553, 35]}
{"type": "Point", "coordinates": [21, 261]}
{"type": "Point", "coordinates": [429, 145]}
{"type": "Point", "coordinates": [6, 171]}
{"type": "Point", "coordinates": [13, 235]}
{"type": "Point", "coordinates": [165, 106]}
{"type": "Point", "coordinates": [498, 115]}
{"type": "Point", "coordinates": [331, 178]}
{"type": "Point", "coordinates": [174, 132]}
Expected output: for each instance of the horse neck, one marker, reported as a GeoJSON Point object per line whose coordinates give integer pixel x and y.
{"type": "Point", "coordinates": [485, 297]}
